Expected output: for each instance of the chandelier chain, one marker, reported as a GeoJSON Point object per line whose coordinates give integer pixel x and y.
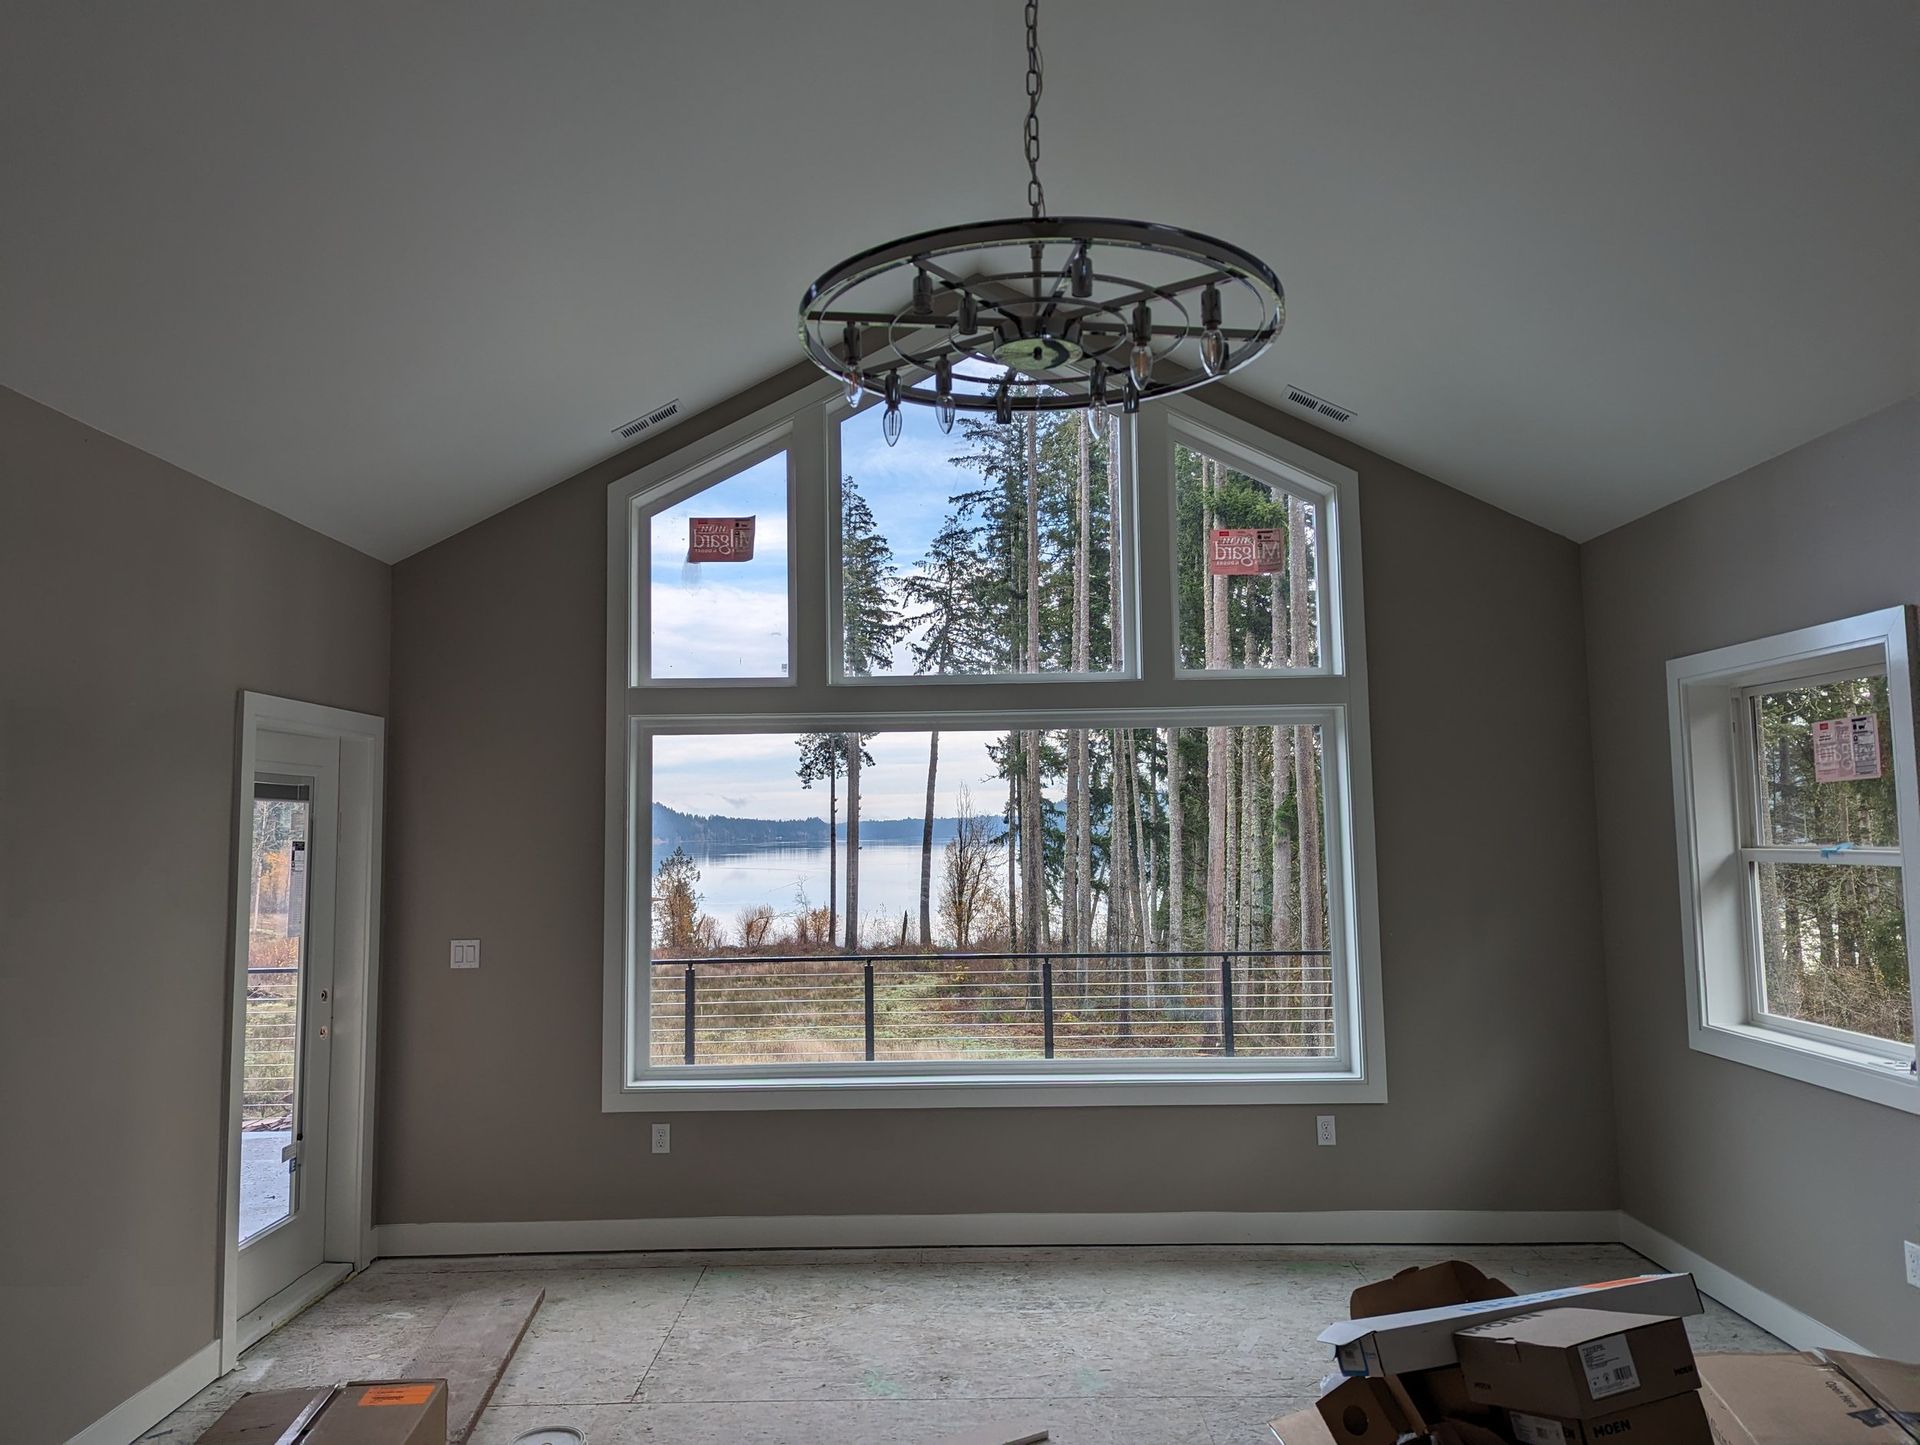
{"type": "Point", "coordinates": [1036, 196]}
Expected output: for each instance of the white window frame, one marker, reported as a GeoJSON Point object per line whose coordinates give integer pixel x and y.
{"type": "Point", "coordinates": [1716, 813]}
{"type": "Point", "coordinates": [1152, 692]}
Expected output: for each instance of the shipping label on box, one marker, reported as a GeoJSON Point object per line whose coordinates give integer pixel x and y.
{"type": "Point", "coordinates": [1423, 1339]}
{"type": "Point", "coordinates": [1676, 1420]}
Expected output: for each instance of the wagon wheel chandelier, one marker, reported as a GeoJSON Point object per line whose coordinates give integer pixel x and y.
{"type": "Point", "coordinates": [1049, 313]}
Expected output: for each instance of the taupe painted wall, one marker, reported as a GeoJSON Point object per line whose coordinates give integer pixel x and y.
{"type": "Point", "coordinates": [1496, 1058]}
{"type": "Point", "coordinates": [136, 602]}
{"type": "Point", "coordinates": [1800, 1191]}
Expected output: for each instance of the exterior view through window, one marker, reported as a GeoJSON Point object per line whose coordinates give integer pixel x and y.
{"type": "Point", "coordinates": [1050, 776]}
{"type": "Point", "coordinates": [276, 942]}
{"type": "Point", "coordinates": [1824, 864]}
{"type": "Point", "coordinates": [987, 551]}
{"type": "Point", "coordinates": [1089, 892]}
{"type": "Point", "coordinates": [1248, 562]}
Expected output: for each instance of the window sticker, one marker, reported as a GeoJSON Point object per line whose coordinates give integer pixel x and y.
{"type": "Point", "coordinates": [720, 539]}
{"type": "Point", "coordinates": [1846, 748]}
{"type": "Point", "coordinates": [1246, 551]}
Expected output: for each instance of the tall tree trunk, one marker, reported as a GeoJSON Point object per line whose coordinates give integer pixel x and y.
{"type": "Point", "coordinates": [1013, 855]}
{"type": "Point", "coordinates": [1033, 849]}
{"type": "Point", "coordinates": [1217, 744]}
{"type": "Point", "coordinates": [833, 852]}
{"type": "Point", "coordinates": [1250, 871]}
{"type": "Point", "coordinates": [926, 844]}
{"type": "Point", "coordinates": [853, 842]}
{"type": "Point", "coordinates": [1079, 877]}
{"type": "Point", "coordinates": [1236, 878]}
{"type": "Point", "coordinates": [1306, 756]}
{"type": "Point", "coordinates": [1120, 876]}
{"type": "Point", "coordinates": [1176, 855]}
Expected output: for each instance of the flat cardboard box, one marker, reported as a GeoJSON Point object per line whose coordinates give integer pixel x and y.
{"type": "Point", "coordinates": [1577, 1364]}
{"type": "Point", "coordinates": [1302, 1427]}
{"type": "Point", "coordinates": [1894, 1387]}
{"type": "Point", "coordinates": [365, 1412]}
{"type": "Point", "coordinates": [1451, 1282]}
{"type": "Point", "coordinates": [263, 1417]}
{"type": "Point", "coordinates": [1423, 1339]}
{"type": "Point", "coordinates": [1789, 1399]}
{"type": "Point", "coordinates": [1676, 1420]}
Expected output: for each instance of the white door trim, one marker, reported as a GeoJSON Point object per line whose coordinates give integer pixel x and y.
{"type": "Point", "coordinates": [356, 984]}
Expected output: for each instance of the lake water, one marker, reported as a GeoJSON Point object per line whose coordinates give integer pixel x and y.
{"type": "Point", "coordinates": [738, 879]}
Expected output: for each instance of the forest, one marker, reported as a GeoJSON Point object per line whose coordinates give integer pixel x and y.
{"type": "Point", "coordinates": [1135, 857]}
{"type": "Point", "coordinates": [1833, 933]}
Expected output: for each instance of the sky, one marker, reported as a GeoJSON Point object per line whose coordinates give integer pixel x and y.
{"type": "Point", "coordinates": [753, 775]}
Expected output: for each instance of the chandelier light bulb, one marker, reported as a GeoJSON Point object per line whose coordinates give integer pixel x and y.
{"type": "Point", "coordinates": [854, 389]}
{"type": "Point", "coordinates": [1213, 346]}
{"type": "Point", "coordinates": [891, 423]}
{"type": "Point", "coordinates": [943, 406]}
{"type": "Point", "coordinates": [1140, 360]}
{"type": "Point", "coordinates": [1097, 391]}
{"type": "Point", "coordinates": [1213, 351]}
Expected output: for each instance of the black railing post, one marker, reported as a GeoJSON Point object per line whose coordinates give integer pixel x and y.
{"type": "Point", "coordinates": [1226, 1003]}
{"type": "Point", "coordinates": [1046, 1001]}
{"type": "Point", "coordinates": [689, 1014]}
{"type": "Point", "coordinates": [869, 993]}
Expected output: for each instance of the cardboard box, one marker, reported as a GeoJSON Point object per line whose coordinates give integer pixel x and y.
{"type": "Point", "coordinates": [1423, 1339]}
{"type": "Point", "coordinates": [1451, 1282]}
{"type": "Point", "coordinates": [1577, 1364]}
{"type": "Point", "coordinates": [1302, 1427]}
{"type": "Point", "coordinates": [264, 1417]}
{"type": "Point", "coordinates": [1894, 1387]}
{"type": "Point", "coordinates": [1788, 1399]}
{"type": "Point", "coordinates": [1363, 1410]}
{"type": "Point", "coordinates": [1676, 1420]}
{"type": "Point", "coordinates": [365, 1412]}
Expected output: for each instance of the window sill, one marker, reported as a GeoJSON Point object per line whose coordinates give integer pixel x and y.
{"type": "Point", "coordinates": [1868, 1076]}
{"type": "Point", "coordinates": [896, 1091]}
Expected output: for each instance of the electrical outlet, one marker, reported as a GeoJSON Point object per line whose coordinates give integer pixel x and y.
{"type": "Point", "coordinates": [1913, 1263]}
{"type": "Point", "coordinates": [466, 953]}
{"type": "Point", "coordinates": [663, 1138]}
{"type": "Point", "coordinates": [1325, 1128]}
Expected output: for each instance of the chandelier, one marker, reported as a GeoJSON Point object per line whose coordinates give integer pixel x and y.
{"type": "Point", "coordinates": [1049, 313]}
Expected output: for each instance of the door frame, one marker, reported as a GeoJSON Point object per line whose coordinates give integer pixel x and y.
{"type": "Point", "coordinates": [349, 1235]}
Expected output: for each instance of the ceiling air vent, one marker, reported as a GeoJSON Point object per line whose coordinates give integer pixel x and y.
{"type": "Point", "coordinates": [650, 420]}
{"type": "Point", "coordinates": [1314, 403]}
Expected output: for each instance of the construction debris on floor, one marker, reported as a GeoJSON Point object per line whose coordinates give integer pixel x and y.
{"type": "Point", "coordinates": [1445, 1354]}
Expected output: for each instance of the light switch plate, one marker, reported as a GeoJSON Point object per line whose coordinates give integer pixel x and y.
{"type": "Point", "coordinates": [1913, 1263]}
{"type": "Point", "coordinates": [466, 953]}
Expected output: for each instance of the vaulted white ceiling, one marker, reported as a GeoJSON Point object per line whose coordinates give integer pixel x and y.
{"type": "Point", "coordinates": [389, 268]}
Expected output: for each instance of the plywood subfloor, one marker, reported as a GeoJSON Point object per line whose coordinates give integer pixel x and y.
{"type": "Point", "coordinates": [1197, 1346]}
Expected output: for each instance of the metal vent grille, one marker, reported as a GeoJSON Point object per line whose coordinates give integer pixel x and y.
{"type": "Point", "coordinates": [654, 418]}
{"type": "Point", "coordinates": [1318, 404]}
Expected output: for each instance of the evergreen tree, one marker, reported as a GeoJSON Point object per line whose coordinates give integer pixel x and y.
{"type": "Point", "coordinates": [871, 627]}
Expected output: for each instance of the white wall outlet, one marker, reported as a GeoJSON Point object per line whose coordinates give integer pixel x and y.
{"type": "Point", "coordinates": [466, 953]}
{"type": "Point", "coordinates": [1913, 1263]}
{"type": "Point", "coordinates": [663, 1138]}
{"type": "Point", "coordinates": [1324, 1128]}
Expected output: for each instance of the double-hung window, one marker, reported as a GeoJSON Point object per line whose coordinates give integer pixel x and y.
{"type": "Point", "coordinates": [1025, 763]}
{"type": "Point", "coordinates": [1795, 795]}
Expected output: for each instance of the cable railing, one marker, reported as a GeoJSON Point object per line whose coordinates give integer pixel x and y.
{"type": "Point", "coordinates": [882, 1007]}
{"type": "Point", "coordinates": [272, 1047]}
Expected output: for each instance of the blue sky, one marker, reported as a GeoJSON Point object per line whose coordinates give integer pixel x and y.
{"type": "Point", "coordinates": [730, 620]}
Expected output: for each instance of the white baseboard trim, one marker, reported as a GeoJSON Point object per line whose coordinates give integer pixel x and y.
{"type": "Point", "coordinates": [883, 1231]}
{"type": "Point", "coordinates": [276, 1310]}
{"type": "Point", "coordinates": [139, 1413]}
{"type": "Point", "coordinates": [1797, 1328]}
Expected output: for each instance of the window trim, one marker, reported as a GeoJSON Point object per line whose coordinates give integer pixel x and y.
{"type": "Point", "coordinates": [809, 697]}
{"type": "Point", "coordinates": [1715, 817]}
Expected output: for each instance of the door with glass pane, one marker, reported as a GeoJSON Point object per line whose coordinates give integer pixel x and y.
{"type": "Point", "coordinates": [288, 981]}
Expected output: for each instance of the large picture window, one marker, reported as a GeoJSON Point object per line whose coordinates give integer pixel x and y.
{"type": "Point", "coordinates": [1081, 866]}
{"type": "Point", "coordinates": [1794, 791]}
